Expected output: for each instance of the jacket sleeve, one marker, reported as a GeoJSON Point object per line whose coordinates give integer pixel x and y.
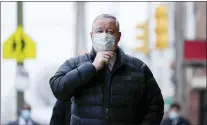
{"type": "Point", "coordinates": [153, 100]}
{"type": "Point", "coordinates": [67, 81]}
{"type": "Point", "coordinates": [58, 115]}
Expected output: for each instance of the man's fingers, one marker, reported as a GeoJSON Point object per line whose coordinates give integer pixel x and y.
{"type": "Point", "coordinates": [105, 60]}
{"type": "Point", "coordinates": [107, 56]}
{"type": "Point", "coordinates": [109, 53]}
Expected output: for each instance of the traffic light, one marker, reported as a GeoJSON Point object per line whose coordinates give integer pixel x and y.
{"type": "Point", "coordinates": [143, 37]}
{"type": "Point", "coordinates": [161, 30]}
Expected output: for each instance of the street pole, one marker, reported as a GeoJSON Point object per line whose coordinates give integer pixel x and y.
{"type": "Point", "coordinates": [178, 51]}
{"type": "Point", "coordinates": [180, 91]}
{"type": "Point", "coordinates": [80, 28]}
{"type": "Point", "coordinates": [149, 23]}
{"type": "Point", "coordinates": [20, 71]}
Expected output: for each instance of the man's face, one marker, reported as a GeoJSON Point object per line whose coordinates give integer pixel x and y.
{"type": "Point", "coordinates": [26, 112]}
{"type": "Point", "coordinates": [26, 107]}
{"type": "Point", "coordinates": [174, 113]}
{"type": "Point", "coordinates": [174, 109]}
{"type": "Point", "coordinates": [106, 25]}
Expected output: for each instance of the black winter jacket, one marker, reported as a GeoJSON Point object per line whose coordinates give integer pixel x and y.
{"type": "Point", "coordinates": [127, 95]}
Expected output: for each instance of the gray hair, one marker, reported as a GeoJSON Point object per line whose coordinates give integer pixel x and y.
{"type": "Point", "coordinates": [107, 16]}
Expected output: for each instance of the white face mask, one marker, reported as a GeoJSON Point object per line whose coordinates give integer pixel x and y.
{"type": "Point", "coordinates": [103, 42]}
{"type": "Point", "coordinates": [26, 114]}
{"type": "Point", "coordinates": [173, 115]}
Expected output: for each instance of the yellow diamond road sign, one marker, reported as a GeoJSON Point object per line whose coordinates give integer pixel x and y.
{"type": "Point", "coordinates": [19, 46]}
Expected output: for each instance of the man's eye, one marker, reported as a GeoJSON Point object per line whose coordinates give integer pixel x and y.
{"type": "Point", "coordinates": [99, 31]}
{"type": "Point", "coordinates": [110, 32]}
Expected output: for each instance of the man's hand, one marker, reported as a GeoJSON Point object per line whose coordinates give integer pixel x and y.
{"type": "Point", "coordinates": [102, 58]}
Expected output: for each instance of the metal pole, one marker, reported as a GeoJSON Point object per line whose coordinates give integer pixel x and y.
{"type": "Point", "coordinates": [178, 50]}
{"type": "Point", "coordinates": [179, 61]}
{"type": "Point", "coordinates": [20, 71]}
{"type": "Point", "coordinates": [19, 13]}
{"type": "Point", "coordinates": [80, 27]}
{"type": "Point", "coordinates": [149, 20]}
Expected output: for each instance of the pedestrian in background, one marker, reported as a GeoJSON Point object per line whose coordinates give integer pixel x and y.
{"type": "Point", "coordinates": [24, 117]}
{"type": "Point", "coordinates": [174, 117]}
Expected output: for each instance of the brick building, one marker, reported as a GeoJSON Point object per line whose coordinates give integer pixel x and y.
{"type": "Point", "coordinates": [200, 12]}
{"type": "Point", "coordinates": [197, 102]}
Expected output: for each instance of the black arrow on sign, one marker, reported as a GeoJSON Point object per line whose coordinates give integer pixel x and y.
{"type": "Point", "coordinates": [14, 45]}
{"type": "Point", "coordinates": [22, 45]}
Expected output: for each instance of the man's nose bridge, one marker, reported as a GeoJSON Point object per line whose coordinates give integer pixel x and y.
{"type": "Point", "coordinates": [106, 32]}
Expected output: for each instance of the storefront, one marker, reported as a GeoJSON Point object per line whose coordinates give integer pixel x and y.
{"type": "Point", "coordinates": [195, 67]}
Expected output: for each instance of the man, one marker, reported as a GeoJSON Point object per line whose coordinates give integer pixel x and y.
{"type": "Point", "coordinates": [106, 86]}
{"type": "Point", "coordinates": [24, 117]}
{"type": "Point", "coordinates": [174, 117]}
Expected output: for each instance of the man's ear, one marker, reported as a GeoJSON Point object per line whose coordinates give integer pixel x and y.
{"type": "Point", "coordinates": [119, 37]}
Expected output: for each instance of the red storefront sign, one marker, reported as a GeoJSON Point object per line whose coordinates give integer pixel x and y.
{"type": "Point", "coordinates": [195, 50]}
